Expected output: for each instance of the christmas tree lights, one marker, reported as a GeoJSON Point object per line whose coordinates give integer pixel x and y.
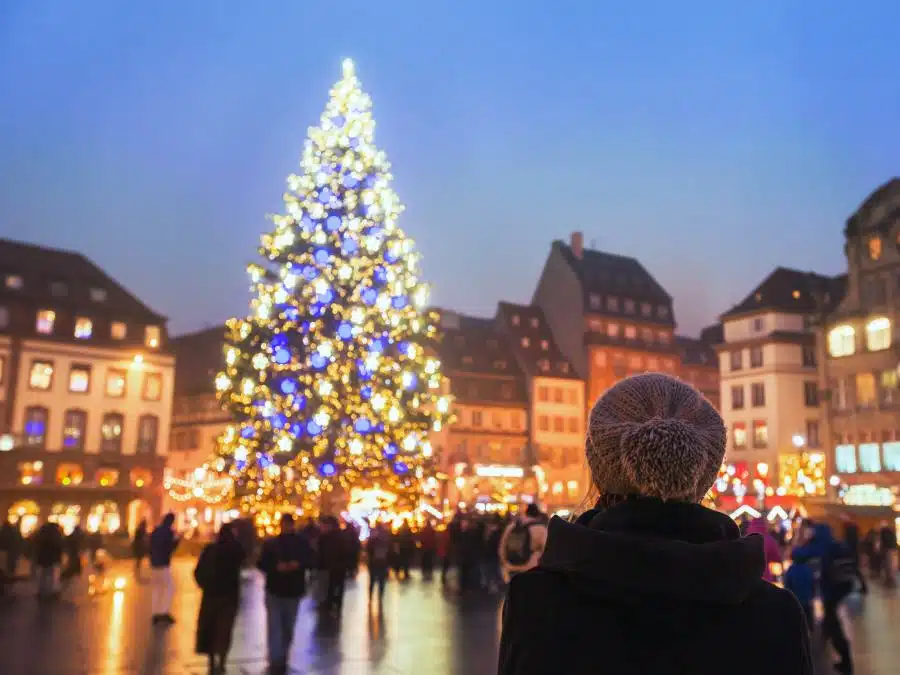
{"type": "Point", "coordinates": [331, 378]}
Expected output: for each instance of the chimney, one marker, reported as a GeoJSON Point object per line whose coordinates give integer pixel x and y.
{"type": "Point", "coordinates": [577, 244]}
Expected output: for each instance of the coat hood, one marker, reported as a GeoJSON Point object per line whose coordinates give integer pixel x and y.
{"type": "Point", "coordinates": [645, 547]}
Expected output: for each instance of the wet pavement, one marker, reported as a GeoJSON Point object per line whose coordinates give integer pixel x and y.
{"type": "Point", "coordinates": [421, 631]}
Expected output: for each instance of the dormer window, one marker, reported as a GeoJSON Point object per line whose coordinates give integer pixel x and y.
{"type": "Point", "coordinates": [118, 330]}
{"type": "Point", "coordinates": [152, 336]}
{"type": "Point", "coordinates": [646, 309]}
{"type": "Point", "coordinates": [45, 320]}
{"type": "Point", "coordinates": [545, 345]}
{"type": "Point", "coordinates": [564, 367]}
{"type": "Point", "coordinates": [535, 322]}
{"type": "Point", "coordinates": [98, 295]}
{"type": "Point", "coordinates": [526, 342]}
{"type": "Point", "coordinates": [14, 282]}
{"type": "Point", "coordinates": [84, 328]}
{"type": "Point", "coordinates": [543, 365]}
{"type": "Point", "coordinates": [514, 320]}
{"type": "Point", "coordinates": [58, 289]}
{"type": "Point", "coordinates": [500, 365]}
{"type": "Point", "coordinates": [875, 246]}
{"type": "Point", "coordinates": [629, 306]}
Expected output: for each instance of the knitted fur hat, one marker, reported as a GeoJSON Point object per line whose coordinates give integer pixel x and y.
{"type": "Point", "coordinates": [656, 436]}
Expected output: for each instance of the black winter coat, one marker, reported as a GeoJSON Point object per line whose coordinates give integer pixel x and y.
{"type": "Point", "coordinates": [651, 588]}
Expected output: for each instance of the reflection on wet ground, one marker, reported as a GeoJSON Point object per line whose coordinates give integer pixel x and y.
{"type": "Point", "coordinates": [421, 631]}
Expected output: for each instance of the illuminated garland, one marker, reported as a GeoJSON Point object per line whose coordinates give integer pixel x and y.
{"type": "Point", "coordinates": [330, 377]}
{"type": "Point", "coordinates": [202, 486]}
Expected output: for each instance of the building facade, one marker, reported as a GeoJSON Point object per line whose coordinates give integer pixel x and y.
{"type": "Point", "coordinates": [87, 380]}
{"type": "Point", "coordinates": [698, 362]}
{"type": "Point", "coordinates": [768, 369]}
{"type": "Point", "coordinates": [609, 316]}
{"type": "Point", "coordinates": [862, 350]}
{"type": "Point", "coordinates": [556, 406]}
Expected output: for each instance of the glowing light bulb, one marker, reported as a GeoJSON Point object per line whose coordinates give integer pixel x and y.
{"type": "Point", "coordinates": [325, 387]}
{"type": "Point", "coordinates": [372, 362]}
{"type": "Point", "coordinates": [231, 356]}
{"type": "Point", "coordinates": [325, 349]}
{"type": "Point", "coordinates": [260, 361]}
{"type": "Point", "coordinates": [409, 443]}
{"type": "Point", "coordinates": [443, 405]}
{"type": "Point", "coordinates": [356, 446]}
{"type": "Point", "coordinates": [321, 418]}
{"type": "Point", "coordinates": [377, 402]}
{"type": "Point", "coordinates": [320, 286]}
{"type": "Point", "coordinates": [223, 382]}
{"type": "Point", "coordinates": [393, 414]}
{"type": "Point", "coordinates": [285, 443]}
{"type": "Point", "coordinates": [240, 453]}
{"type": "Point", "coordinates": [426, 449]}
{"type": "Point", "coordinates": [420, 297]}
{"type": "Point", "coordinates": [407, 379]}
{"type": "Point", "coordinates": [247, 386]}
{"type": "Point", "coordinates": [357, 315]}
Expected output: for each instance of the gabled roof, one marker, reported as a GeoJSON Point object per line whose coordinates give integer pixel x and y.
{"type": "Point", "coordinates": [41, 268]}
{"type": "Point", "coordinates": [198, 357]}
{"type": "Point", "coordinates": [612, 274]}
{"type": "Point", "coordinates": [532, 341]}
{"type": "Point", "coordinates": [793, 291]}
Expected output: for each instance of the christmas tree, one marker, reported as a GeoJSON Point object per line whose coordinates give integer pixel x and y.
{"type": "Point", "coordinates": [331, 379]}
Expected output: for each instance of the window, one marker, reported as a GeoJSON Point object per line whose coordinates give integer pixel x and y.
{"type": "Point", "coordinates": [865, 390]}
{"type": "Point", "coordinates": [69, 474]}
{"type": "Point", "coordinates": [758, 325]}
{"type": "Point", "coordinates": [878, 334]}
{"type": "Point", "coordinates": [888, 387]}
{"type": "Point", "coordinates": [31, 473]}
{"type": "Point", "coordinates": [892, 456]}
{"type": "Point", "coordinates": [758, 394]}
{"type": "Point", "coordinates": [600, 359]}
{"type": "Point", "coordinates": [839, 390]}
{"type": "Point", "coordinates": [140, 477]}
{"type": "Point", "coordinates": [664, 338]}
{"type": "Point", "coordinates": [107, 477]}
{"type": "Point", "coordinates": [629, 306]}
{"type": "Point", "coordinates": [812, 433]}
{"type": "Point", "coordinates": [558, 395]}
{"type": "Point", "coordinates": [573, 425]}
{"type": "Point", "coordinates": [514, 319]}
{"type": "Point", "coordinates": [4, 317]}
{"type": "Point", "coordinates": [36, 426]}
{"type": "Point", "coordinates": [647, 335]}
{"type": "Point", "coordinates": [630, 333]}
{"type": "Point", "coordinates": [506, 391]}
{"type": "Point", "coordinates": [148, 430]}
{"type": "Point", "coordinates": [739, 435]}
{"type": "Point", "coordinates": [84, 328]}
{"type": "Point", "coordinates": [736, 363]}
{"type": "Point", "coordinates": [612, 303]}
{"type": "Point", "coordinates": [652, 363]}
{"type": "Point", "coordinates": [760, 434]}
{"type": "Point", "coordinates": [811, 394]}
{"type": "Point", "coordinates": [45, 321]}
{"type": "Point", "coordinates": [662, 312]}
{"type": "Point", "coordinates": [875, 246]}
{"type": "Point", "coordinates": [756, 357]}
{"type": "Point", "coordinates": [79, 379]}
{"type": "Point", "coordinates": [14, 282]}
{"type": "Point", "coordinates": [559, 424]}
{"type": "Point", "coordinates": [542, 393]}
{"type": "Point", "coordinates": [595, 301]}
{"type": "Point", "coordinates": [74, 429]}
{"type": "Point", "coordinates": [41, 375]}
{"type": "Point", "coordinates": [545, 345]}
{"type": "Point", "coordinates": [526, 342]}
{"type": "Point", "coordinates": [118, 330]}
{"type": "Point", "coordinates": [668, 365]}
{"type": "Point", "coordinates": [842, 341]}
{"type": "Point", "coordinates": [646, 309]}
{"type": "Point", "coordinates": [153, 387]}
{"type": "Point", "coordinates": [870, 457]}
{"type": "Point", "coordinates": [845, 458]}
{"type": "Point", "coordinates": [809, 356]}
{"type": "Point", "coordinates": [59, 289]}
{"type": "Point", "coordinates": [476, 418]}
{"type": "Point", "coordinates": [111, 432]}
{"type": "Point", "coordinates": [535, 322]}
{"type": "Point", "coordinates": [612, 329]}
{"type": "Point", "coordinates": [98, 295]}
{"type": "Point", "coordinates": [496, 419]}
{"type": "Point", "coordinates": [152, 336]}
{"type": "Point", "coordinates": [543, 423]}
{"type": "Point", "coordinates": [543, 365]}
{"type": "Point", "coordinates": [115, 382]}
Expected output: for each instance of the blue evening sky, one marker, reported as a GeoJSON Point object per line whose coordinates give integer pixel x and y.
{"type": "Point", "coordinates": [712, 140]}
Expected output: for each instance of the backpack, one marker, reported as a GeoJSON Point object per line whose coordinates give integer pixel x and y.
{"type": "Point", "coordinates": [839, 571]}
{"type": "Point", "coordinates": [517, 549]}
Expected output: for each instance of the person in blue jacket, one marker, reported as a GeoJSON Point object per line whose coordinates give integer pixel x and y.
{"type": "Point", "coordinates": [837, 572]}
{"type": "Point", "coordinates": [801, 581]}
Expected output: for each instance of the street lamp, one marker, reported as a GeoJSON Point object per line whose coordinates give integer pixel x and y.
{"type": "Point", "coordinates": [799, 441]}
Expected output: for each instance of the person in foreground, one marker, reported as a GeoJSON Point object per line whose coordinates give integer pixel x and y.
{"type": "Point", "coordinates": [650, 582]}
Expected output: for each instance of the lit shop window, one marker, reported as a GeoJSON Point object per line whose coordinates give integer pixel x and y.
{"type": "Point", "coordinates": [870, 457]}
{"type": "Point", "coordinates": [141, 477]}
{"type": "Point", "coordinates": [878, 334]}
{"type": "Point", "coordinates": [739, 435]}
{"type": "Point", "coordinates": [572, 487]}
{"type": "Point", "coordinates": [842, 341]}
{"type": "Point", "coordinates": [84, 328]}
{"type": "Point", "coordinates": [45, 320]}
{"type": "Point", "coordinates": [107, 477]}
{"type": "Point", "coordinates": [875, 246]}
{"type": "Point", "coordinates": [31, 473]}
{"type": "Point", "coordinates": [845, 458]}
{"type": "Point", "coordinates": [760, 434]}
{"type": "Point", "coordinates": [69, 474]}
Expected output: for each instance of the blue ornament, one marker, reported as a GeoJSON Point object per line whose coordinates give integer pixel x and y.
{"type": "Point", "coordinates": [400, 467]}
{"type": "Point", "coordinates": [317, 310]}
{"type": "Point", "coordinates": [376, 346]}
{"type": "Point", "coordinates": [282, 355]}
{"type": "Point", "coordinates": [345, 331]}
{"type": "Point", "coordinates": [374, 231]}
{"type": "Point", "coordinates": [305, 326]}
{"type": "Point", "coordinates": [288, 386]}
{"type": "Point", "coordinates": [247, 432]}
{"type": "Point", "coordinates": [412, 382]}
{"type": "Point", "coordinates": [366, 392]}
{"type": "Point", "coordinates": [279, 340]}
{"type": "Point", "coordinates": [350, 245]}
{"type": "Point", "coordinates": [405, 348]}
{"type": "Point", "coordinates": [362, 425]}
{"type": "Point", "coordinates": [318, 361]}
{"type": "Point", "coordinates": [279, 421]}
{"type": "Point", "coordinates": [390, 450]}
{"type": "Point", "coordinates": [390, 256]}
{"type": "Point", "coordinates": [364, 373]}
{"type": "Point", "coordinates": [380, 275]}
{"type": "Point", "coordinates": [291, 314]}
{"type": "Point", "coordinates": [313, 429]}
{"type": "Point", "coordinates": [307, 223]}
{"type": "Point", "coordinates": [322, 255]}
{"type": "Point", "coordinates": [338, 120]}
{"type": "Point", "coordinates": [264, 461]}
{"type": "Point", "coordinates": [369, 296]}
{"type": "Point", "coordinates": [299, 402]}
{"type": "Point", "coordinates": [326, 297]}
{"type": "Point", "coordinates": [327, 469]}
{"type": "Point", "coordinates": [369, 181]}
{"type": "Point", "coordinates": [354, 142]}
{"type": "Point", "coordinates": [296, 429]}
{"type": "Point", "coordinates": [399, 301]}
{"type": "Point", "coordinates": [350, 182]}
{"type": "Point", "coordinates": [333, 223]}
{"type": "Point", "coordinates": [325, 195]}
{"type": "Point", "coordinates": [309, 272]}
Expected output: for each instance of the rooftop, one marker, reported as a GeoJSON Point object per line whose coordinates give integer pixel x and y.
{"type": "Point", "coordinates": [66, 279]}
{"type": "Point", "coordinates": [793, 291]}
{"type": "Point", "coordinates": [532, 341]}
